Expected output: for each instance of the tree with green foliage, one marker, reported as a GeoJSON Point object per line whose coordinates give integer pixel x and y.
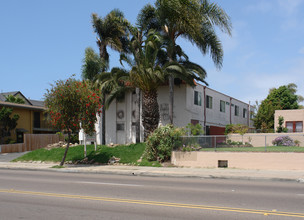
{"type": "Point", "coordinates": [14, 99]}
{"type": "Point", "coordinates": [111, 32]}
{"type": "Point", "coordinates": [195, 129]}
{"type": "Point", "coordinates": [92, 65]}
{"type": "Point", "coordinates": [280, 128]}
{"type": "Point", "coordinates": [71, 103]}
{"type": "Point", "coordinates": [148, 72]}
{"type": "Point", "coordinates": [7, 122]}
{"type": "Point", "coordinates": [236, 129]}
{"type": "Point", "coordinates": [193, 20]}
{"type": "Point", "coordinates": [280, 98]}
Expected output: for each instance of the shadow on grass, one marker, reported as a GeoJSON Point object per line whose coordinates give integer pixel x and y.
{"type": "Point", "coordinates": [100, 157]}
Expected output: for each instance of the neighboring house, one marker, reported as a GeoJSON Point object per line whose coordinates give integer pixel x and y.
{"type": "Point", "coordinates": [212, 109]}
{"type": "Point", "coordinates": [293, 119]}
{"type": "Point", "coordinates": [31, 116]}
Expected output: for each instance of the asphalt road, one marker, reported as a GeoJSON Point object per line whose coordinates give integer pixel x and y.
{"type": "Point", "coordinates": [52, 195]}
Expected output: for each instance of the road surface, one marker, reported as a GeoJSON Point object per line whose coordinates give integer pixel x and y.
{"type": "Point", "coordinates": [58, 195]}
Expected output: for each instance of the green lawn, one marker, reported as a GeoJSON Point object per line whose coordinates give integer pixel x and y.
{"type": "Point", "coordinates": [257, 149]}
{"type": "Point", "coordinates": [128, 154]}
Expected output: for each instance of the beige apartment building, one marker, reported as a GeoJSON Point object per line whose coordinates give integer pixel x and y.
{"type": "Point", "coordinates": [293, 120]}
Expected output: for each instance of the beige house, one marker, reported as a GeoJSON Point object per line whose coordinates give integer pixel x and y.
{"type": "Point", "coordinates": [293, 119]}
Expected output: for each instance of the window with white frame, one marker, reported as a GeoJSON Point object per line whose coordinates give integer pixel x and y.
{"type": "Point", "coordinates": [197, 98]}
{"type": "Point", "coordinates": [208, 102]}
{"type": "Point", "coordinates": [222, 106]}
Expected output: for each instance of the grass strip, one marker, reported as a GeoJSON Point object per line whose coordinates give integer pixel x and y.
{"type": "Point", "coordinates": [128, 154]}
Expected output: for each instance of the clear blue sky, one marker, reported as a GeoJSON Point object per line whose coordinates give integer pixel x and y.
{"type": "Point", "coordinates": [43, 41]}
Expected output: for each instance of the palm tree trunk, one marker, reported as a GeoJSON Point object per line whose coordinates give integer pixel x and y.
{"type": "Point", "coordinates": [137, 115]}
{"type": "Point", "coordinates": [171, 98]}
{"type": "Point", "coordinates": [150, 112]}
{"type": "Point", "coordinates": [66, 149]}
{"type": "Point", "coordinates": [103, 122]}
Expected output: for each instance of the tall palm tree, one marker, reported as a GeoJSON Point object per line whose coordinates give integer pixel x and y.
{"type": "Point", "coordinates": [111, 31]}
{"type": "Point", "coordinates": [92, 65]}
{"type": "Point", "coordinates": [148, 72]}
{"type": "Point", "coordinates": [193, 20]}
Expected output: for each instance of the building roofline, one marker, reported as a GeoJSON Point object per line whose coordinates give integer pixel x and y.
{"type": "Point", "coordinates": [225, 94]}
{"type": "Point", "coordinates": [15, 105]}
{"type": "Point", "coordinates": [14, 93]}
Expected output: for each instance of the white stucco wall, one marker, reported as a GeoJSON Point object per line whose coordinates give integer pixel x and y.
{"type": "Point", "coordinates": [184, 111]}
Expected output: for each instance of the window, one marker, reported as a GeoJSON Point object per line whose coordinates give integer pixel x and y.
{"type": "Point", "coordinates": [299, 126]}
{"type": "Point", "coordinates": [236, 110]}
{"type": "Point", "coordinates": [36, 119]}
{"type": "Point", "coordinates": [244, 113]}
{"type": "Point", "coordinates": [197, 98]}
{"type": "Point", "coordinates": [222, 106]}
{"type": "Point", "coordinates": [289, 126]}
{"type": "Point", "coordinates": [294, 126]}
{"type": "Point", "coordinates": [208, 102]}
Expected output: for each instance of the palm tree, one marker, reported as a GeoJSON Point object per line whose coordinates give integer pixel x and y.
{"type": "Point", "coordinates": [92, 65]}
{"type": "Point", "coordinates": [111, 31]}
{"type": "Point", "coordinates": [148, 72]}
{"type": "Point", "coordinates": [193, 20]}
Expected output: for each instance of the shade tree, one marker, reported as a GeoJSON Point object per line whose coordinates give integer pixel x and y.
{"type": "Point", "coordinates": [71, 103]}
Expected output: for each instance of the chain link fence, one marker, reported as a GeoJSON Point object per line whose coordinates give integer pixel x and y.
{"type": "Point", "coordinates": [293, 142]}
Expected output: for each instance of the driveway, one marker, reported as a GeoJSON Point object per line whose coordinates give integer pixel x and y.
{"type": "Point", "coordinates": [7, 157]}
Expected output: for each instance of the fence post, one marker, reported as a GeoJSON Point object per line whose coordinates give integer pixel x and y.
{"type": "Point", "coordinates": [215, 144]}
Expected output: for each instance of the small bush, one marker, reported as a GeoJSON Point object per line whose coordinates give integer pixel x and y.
{"type": "Point", "coordinates": [194, 129]}
{"type": "Point", "coordinates": [280, 128]}
{"type": "Point", "coordinates": [73, 139]}
{"type": "Point", "coordinates": [10, 141]}
{"type": "Point", "coordinates": [160, 143]}
{"type": "Point", "coordinates": [297, 143]}
{"type": "Point", "coordinates": [230, 142]}
{"type": "Point", "coordinates": [228, 129]}
{"type": "Point", "coordinates": [283, 141]}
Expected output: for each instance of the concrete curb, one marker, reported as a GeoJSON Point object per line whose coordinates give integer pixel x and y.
{"type": "Point", "coordinates": [155, 173]}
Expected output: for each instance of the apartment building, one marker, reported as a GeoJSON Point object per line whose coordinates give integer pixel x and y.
{"type": "Point", "coordinates": [212, 109]}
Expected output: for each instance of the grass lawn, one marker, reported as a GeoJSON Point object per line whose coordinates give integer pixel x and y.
{"type": "Point", "coordinates": [128, 154]}
{"type": "Point", "coordinates": [257, 149]}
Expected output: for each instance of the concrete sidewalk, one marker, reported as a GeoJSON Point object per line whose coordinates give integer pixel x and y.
{"type": "Point", "coordinates": [220, 173]}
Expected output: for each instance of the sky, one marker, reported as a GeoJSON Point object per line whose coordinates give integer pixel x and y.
{"type": "Point", "coordinates": [43, 41]}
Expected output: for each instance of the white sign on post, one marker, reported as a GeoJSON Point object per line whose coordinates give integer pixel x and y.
{"type": "Point", "coordinates": [86, 139]}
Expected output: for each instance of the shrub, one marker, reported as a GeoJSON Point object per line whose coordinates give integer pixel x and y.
{"type": "Point", "coordinates": [236, 129]}
{"type": "Point", "coordinates": [230, 142]}
{"type": "Point", "coordinates": [280, 128]}
{"type": "Point", "coordinates": [297, 143]}
{"type": "Point", "coordinates": [194, 129]}
{"type": "Point", "coordinates": [228, 129]}
{"type": "Point", "coordinates": [160, 143]}
{"type": "Point", "coordinates": [283, 141]}
{"type": "Point", "coordinates": [73, 139]}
